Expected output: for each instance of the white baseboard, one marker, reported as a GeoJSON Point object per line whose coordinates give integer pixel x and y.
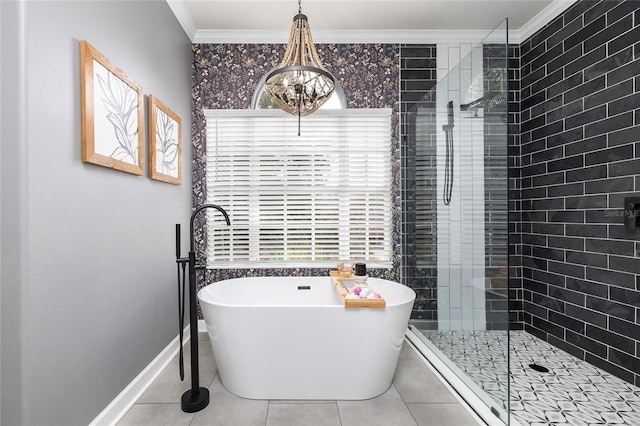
{"type": "Point", "coordinates": [125, 400]}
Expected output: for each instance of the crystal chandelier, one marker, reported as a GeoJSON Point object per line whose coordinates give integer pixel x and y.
{"type": "Point", "coordinates": [300, 85]}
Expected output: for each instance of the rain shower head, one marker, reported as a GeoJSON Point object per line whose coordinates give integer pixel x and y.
{"type": "Point", "coordinates": [488, 103]}
{"type": "Point", "coordinates": [473, 105]}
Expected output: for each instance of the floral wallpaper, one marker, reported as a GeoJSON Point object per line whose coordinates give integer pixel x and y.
{"type": "Point", "coordinates": [225, 76]}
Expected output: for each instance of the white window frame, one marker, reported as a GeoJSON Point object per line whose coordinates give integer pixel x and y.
{"type": "Point", "coordinates": [349, 177]}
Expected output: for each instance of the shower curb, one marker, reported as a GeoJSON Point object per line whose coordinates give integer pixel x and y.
{"type": "Point", "coordinates": [112, 414]}
{"type": "Point", "coordinates": [457, 387]}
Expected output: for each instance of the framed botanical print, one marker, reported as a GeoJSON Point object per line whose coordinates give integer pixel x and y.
{"type": "Point", "coordinates": [165, 143]}
{"type": "Point", "coordinates": [112, 114]}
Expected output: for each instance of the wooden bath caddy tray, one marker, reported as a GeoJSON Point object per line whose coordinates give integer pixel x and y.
{"type": "Point", "coordinates": [342, 291]}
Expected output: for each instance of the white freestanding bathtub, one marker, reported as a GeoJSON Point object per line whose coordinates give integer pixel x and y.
{"type": "Point", "coordinates": [292, 337]}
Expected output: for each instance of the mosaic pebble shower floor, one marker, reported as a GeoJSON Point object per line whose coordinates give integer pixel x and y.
{"type": "Point", "coordinates": [572, 392]}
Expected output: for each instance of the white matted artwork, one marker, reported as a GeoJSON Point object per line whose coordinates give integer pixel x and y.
{"type": "Point", "coordinates": [165, 143]}
{"type": "Point", "coordinates": [112, 118]}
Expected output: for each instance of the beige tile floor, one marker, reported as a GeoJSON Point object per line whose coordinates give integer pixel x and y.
{"type": "Point", "coordinates": [416, 398]}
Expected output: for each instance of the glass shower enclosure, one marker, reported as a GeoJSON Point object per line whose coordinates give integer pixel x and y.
{"type": "Point", "coordinates": [456, 223]}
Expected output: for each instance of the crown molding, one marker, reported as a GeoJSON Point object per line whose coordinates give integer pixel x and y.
{"type": "Point", "coordinates": [343, 36]}
{"type": "Point", "coordinates": [516, 36]}
{"type": "Point", "coordinates": [538, 22]}
{"type": "Point", "coordinates": [182, 15]}
{"type": "Point", "coordinates": [241, 36]}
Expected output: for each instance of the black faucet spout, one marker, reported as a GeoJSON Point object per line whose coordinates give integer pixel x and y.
{"type": "Point", "coordinates": [198, 210]}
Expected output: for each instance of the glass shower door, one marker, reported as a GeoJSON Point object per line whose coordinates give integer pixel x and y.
{"type": "Point", "coordinates": [461, 219]}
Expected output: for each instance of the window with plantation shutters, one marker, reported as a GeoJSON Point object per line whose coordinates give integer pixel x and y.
{"type": "Point", "coordinates": [299, 201]}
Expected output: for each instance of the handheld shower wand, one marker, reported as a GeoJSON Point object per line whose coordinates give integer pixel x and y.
{"type": "Point", "coordinates": [448, 166]}
{"type": "Point", "coordinates": [197, 398]}
{"type": "Point", "coordinates": [182, 262]}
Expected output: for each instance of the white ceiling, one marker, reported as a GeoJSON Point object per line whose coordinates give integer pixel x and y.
{"type": "Point", "coordinates": [247, 21]}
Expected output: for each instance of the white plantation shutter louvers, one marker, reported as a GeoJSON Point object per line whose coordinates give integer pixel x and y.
{"type": "Point", "coordinates": [299, 201]}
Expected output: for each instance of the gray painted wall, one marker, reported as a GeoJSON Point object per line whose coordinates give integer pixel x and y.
{"type": "Point", "coordinates": [87, 253]}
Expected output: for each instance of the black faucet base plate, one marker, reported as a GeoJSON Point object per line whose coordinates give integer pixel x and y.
{"type": "Point", "coordinates": [190, 404]}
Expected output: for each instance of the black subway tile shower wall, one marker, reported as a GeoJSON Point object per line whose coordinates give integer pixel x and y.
{"type": "Point", "coordinates": [579, 158]}
{"type": "Point", "coordinates": [516, 240]}
{"type": "Point", "coordinates": [419, 226]}
{"type": "Point", "coordinates": [496, 167]}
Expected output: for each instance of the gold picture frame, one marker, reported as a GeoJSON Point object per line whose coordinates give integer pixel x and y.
{"type": "Point", "coordinates": [112, 114]}
{"type": "Point", "coordinates": [165, 143]}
